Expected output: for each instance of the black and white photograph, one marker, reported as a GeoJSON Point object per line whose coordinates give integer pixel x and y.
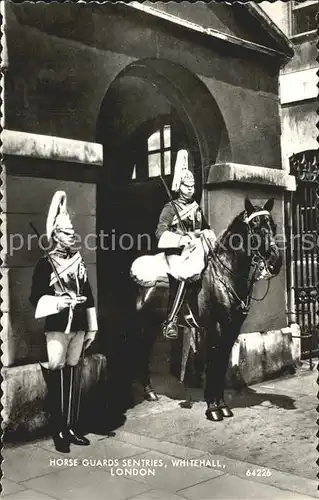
{"type": "Point", "coordinates": [159, 250]}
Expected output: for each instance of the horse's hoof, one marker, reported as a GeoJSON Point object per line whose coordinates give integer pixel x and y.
{"type": "Point", "coordinates": [186, 404]}
{"type": "Point", "coordinates": [226, 411]}
{"type": "Point", "coordinates": [215, 415]}
{"type": "Point", "coordinates": [150, 395]}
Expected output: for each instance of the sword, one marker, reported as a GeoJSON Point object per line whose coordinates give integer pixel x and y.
{"type": "Point", "coordinates": [61, 285]}
{"type": "Point", "coordinates": [50, 259]}
{"type": "Point", "coordinates": [170, 197]}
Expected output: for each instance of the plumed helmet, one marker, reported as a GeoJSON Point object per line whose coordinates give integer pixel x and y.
{"type": "Point", "coordinates": [58, 215]}
{"type": "Point", "coordinates": [181, 172]}
{"type": "Point", "coordinates": [187, 178]}
{"type": "Point", "coordinates": [181, 165]}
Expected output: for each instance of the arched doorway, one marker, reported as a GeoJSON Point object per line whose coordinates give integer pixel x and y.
{"type": "Point", "coordinates": [152, 109]}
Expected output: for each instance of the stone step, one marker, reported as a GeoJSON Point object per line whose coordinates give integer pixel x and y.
{"type": "Point", "coordinates": [24, 394]}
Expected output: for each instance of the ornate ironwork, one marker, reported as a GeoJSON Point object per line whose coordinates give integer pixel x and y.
{"type": "Point", "coordinates": [305, 166]}
{"type": "Point", "coordinates": [306, 296]}
{"type": "Point", "coordinates": [305, 224]}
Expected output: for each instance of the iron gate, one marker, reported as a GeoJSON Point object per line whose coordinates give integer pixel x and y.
{"type": "Point", "coordinates": [304, 248]}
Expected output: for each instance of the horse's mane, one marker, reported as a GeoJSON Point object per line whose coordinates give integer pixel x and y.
{"type": "Point", "coordinates": [238, 220]}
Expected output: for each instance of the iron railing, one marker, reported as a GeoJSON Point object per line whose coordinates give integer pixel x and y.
{"type": "Point", "coordinates": [304, 260]}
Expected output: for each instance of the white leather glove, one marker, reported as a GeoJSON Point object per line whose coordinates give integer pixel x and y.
{"type": "Point", "coordinates": [210, 235]}
{"type": "Point", "coordinates": [65, 301]}
{"type": "Point", "coordinates": [185, 240]}
{"type": "Point", "coordinates": [89, 338]}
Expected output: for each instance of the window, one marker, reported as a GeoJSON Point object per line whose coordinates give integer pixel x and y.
{"type": "Point", "coordinates": [304, 16]}
{"type": "Point", "coordinates": [159, 152]}
{"type": "Point", "coordinates": [154, 145]}
{"type": "Point", "coordinates": [155, 153]}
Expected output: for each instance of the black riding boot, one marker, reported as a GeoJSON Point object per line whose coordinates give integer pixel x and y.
{"type": "Point", "coordinates": [54, 382]}
{"type": "Point", "coordinates": [177, 295]}
{"type": "Point", "coordinates": [72, 389]}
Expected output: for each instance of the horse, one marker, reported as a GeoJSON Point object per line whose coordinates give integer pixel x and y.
{"type": "Point", "coordinates": [244, 253]}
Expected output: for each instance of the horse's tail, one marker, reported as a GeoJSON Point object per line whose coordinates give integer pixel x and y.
{"type": "Point", "coordinates": [144, 295]}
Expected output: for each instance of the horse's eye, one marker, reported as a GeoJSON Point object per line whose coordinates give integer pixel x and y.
{"type": "Point", "coordinates": [267, 219]}
{"type": "Point", "coordinates": [257, 222]}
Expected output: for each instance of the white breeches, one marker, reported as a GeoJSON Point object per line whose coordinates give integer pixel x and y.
{"type": "Point", "coordinates": [64, 349]}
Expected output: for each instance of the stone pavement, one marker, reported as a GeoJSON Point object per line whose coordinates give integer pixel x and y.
{"type": "Point", "coordinates": [165, 452]}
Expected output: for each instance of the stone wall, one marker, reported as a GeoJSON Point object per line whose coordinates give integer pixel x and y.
{"type": "Point", "coordinates": [298, 87]}
{"type": "Point", "coordinates": [55, 99]}
{"type": "Point", "coordinates": [27, 200]}
{"type": "Point", "coordinates": [62, 62]}
{"type": "Point", "coordinates": [227, 186]}
{"type": "Point", "coordinates": [63, 59]}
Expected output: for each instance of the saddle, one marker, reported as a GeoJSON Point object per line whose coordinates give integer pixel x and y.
{"type": "Point", "coordinates": [149, 270]}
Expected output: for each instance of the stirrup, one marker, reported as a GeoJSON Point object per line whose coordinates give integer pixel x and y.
{"type": "Point", "coordinates": [170, 329]}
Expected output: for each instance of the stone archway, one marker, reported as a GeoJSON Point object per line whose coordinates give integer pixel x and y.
{"type": "Point", "coordinates": [145, 91]}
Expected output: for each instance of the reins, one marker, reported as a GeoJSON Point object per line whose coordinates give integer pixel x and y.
{"type": "Point", "coordinates": [255, 263]}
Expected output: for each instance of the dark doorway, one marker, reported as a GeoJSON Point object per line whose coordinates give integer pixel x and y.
{"type": "Point", "coordinates": [130, 204]}
{"type": "Point", "coordinates": [152, 109]}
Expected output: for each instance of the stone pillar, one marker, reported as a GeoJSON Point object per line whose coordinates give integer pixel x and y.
{"type": "Point", "coordinates": [266, 344]}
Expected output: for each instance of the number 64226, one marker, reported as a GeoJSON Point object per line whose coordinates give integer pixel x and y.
{"type": "Point", "coordinates": [258, 472]}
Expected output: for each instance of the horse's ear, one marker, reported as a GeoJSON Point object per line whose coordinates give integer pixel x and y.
{"type": "Point", "coordinates": [249, 207]}
{"type": "Point", "coordinates": [269, 204]}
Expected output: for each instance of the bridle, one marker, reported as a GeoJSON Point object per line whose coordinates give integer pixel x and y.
{"type": "Point", "coordinates": [257, 261]}
{"type": "Point", "coordinates": [258, 258]}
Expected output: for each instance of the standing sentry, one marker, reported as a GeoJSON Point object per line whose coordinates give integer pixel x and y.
{"type": "Point", "coordinates": [62, 294]}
